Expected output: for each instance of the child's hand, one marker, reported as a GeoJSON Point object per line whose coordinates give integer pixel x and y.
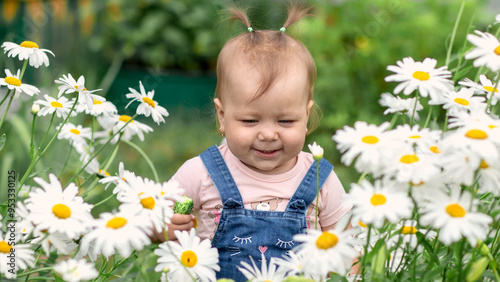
{"type": "Point", "coordinates": [178, 222]}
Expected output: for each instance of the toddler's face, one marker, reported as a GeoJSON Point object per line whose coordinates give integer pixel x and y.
{"type": "Point", "coordinates": [268, 133]}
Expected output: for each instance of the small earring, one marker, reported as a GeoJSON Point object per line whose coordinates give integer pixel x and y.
{"type": "Point", "coordinates": [221, 133]}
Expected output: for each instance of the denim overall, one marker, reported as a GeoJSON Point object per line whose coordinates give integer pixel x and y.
{"type": "Point", "coordinates": [242, 233]}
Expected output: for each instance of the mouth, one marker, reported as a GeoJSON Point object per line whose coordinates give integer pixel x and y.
{"type": "Point", "coordinates": [266, 153]}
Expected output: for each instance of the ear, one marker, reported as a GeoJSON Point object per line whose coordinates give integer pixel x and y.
{"type": "Point", "coordinates": [310, 104]}
{"type": "Point", "coordinates": [220, 113]}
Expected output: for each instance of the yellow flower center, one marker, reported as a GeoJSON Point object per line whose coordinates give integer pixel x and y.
{"type": "Point", "coordinates": [5, 247]}
{"type": "Point", "coordinates": [484, 165]}
{"type": "Point", "coordinates": [378, 199]}
{"type": "Point", "coordinates": [326, 241]}
{"type": "Point", "coordinates": [497, 50]}
{"type": "Point", "coordinates": [76, 87]}
{"type": "Point", "coordinates": [148, 203]}
{"type": "Point", "coordinates": [491, 126]}
{"type": "Point", "coordinates": [61, 211]}
{"type": "Point", "coordinates": [476, 134]}
{"type": "Point", "coordinates": [189, 258]}
{"type": "Point", "coordinates": [461, 101]}
{"type": "Point", "coordinates": [415, 137]}
{"type": "Point", "coordinates": [29, 44]}
{"type": "Point", "coordinates": [148, 101]}
{"type": "Point", "coordinates": [435, 149]}
{"type": "Point", "coordinates": [104, 172]}
{"type": "Point", "coordinates": [74, 131]}
{"type": "Point", "coordinates": [422, 76]}
{"type": "Point", "coordinates": [126, 118]}
{"type": "Point", "coordinates": [116, 222]}
{"type": "Point", "coordinates": [455, 210]}
{"type": "Point", "coordinates": [409, 159]}
{"type": "Point", "coordinates": [417, 184]}
{"type": "Point", "coordinates": [489, 89]}
{"type": "Point", "coordinates": [370, 139]}
{"type": "Point", "coordinates": [56, 104]}
{"type": "Point", "coordinates": [12, 81]}
{"type": "Point", "coordinates": [408, 230]}
{"type": "Point", "coordinates": [361, 224]}
{"type": "Point", "coordinates": [97, 102]}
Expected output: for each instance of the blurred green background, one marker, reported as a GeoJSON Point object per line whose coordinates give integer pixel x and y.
{"type": "Point", "coordinates": [172, 47]}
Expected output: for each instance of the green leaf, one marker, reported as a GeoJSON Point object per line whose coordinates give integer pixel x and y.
{"type": "Point", "coordinates": [57, 277]}
{"type": "Point", "coordinates": [2, 141]}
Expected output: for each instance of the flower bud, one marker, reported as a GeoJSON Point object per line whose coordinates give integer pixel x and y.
{"type": "Point", "coordinates": [316, 150]}
{"type": "Point", "coordinates": [35, 109]}
{"type": "Point", "coordinates": [482, 248]}
{"type": "Point", "coordinates": [476, 270]}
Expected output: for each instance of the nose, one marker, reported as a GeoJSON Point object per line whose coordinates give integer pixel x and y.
{"type": "Point", "coordinates": [267, 133]}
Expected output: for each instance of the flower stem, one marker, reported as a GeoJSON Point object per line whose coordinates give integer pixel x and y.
{"type": "Point", "coordinates": [4, 98]}
{"type": "Point", "coordinates": [150, 163]}
{"type": "Point", "coordinates": [414, 109]}
{"type": "Point", "coordinates": [66, 162]}
{"type": "Point", "coordinates": [40, 154]}
{"type": "Point", "coordinates": [102, 147]}
{"type": "Point", "coordinates": [8, 106]}
{"type": "Point", "coordinates": [317, 195]}
{"type": "Point", "coordinates": [32, 142]}
{"type": "Point", "coordinates": [454, 33]}
{"type": "Point", "coordinates": [22, 71]}
{"type": "Point", "coordinates": [429, 114]}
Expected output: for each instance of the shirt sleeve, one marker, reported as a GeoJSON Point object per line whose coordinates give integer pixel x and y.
{"type": "Point", "coordinates": [334, 201]}
{"type": "Point", "coordinates": [190, 177]}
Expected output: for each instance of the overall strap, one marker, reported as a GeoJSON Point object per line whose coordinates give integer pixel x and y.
{"type": "Point", "coordinates": [222, 178]}
{"type": "Point", "coordinates": [306, 192]}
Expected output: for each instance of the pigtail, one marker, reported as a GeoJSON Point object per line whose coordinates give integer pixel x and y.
{"type": "Point", "coordinates": [296, 11]}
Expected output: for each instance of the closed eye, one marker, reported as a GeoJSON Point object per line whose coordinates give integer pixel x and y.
{"type": "Point", "coordinates": [284, 244]}
{"type": "Point", "coordinates": [286, 121]}
{"type": "Point", "coordinates": [249, 121]}
{"type": "Point", "coordinates": [242, 241]}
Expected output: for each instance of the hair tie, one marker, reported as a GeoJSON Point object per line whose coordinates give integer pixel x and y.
{"type": "Point", "coordinates": [282, 29]}
{"type": "Point", "coordinates": [250, 29]}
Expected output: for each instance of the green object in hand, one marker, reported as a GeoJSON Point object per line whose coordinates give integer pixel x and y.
{"type": "Point", "coordinates": [184, 206]}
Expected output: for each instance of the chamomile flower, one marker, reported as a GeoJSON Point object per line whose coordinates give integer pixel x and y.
{"type": "Point", "coordinates": [56, 210]}
{"type": "Point", "coordinates": [60, 106]}
{"type": "Point", "coordinates": [422, 76]}
{"type": "Point", "coordinates": [122, 231]}
{"type": "Point", "coordinates": [70, 85]}
{"type": "Point", "coordinates": [142, 197]}
{"type": "Point", "coordinates": [377, 202]}
{"type": "Point", "coordinates": [369, 143]}
{"type": "Point", "coordinates": [489, 177]}
{"type": "Point", "coordinates": [395, 104]}
{"type": "Point", "coordinates": [497, 19]}
{"type": "Point", "coordinates": [147, 105]}
{"type": "Point", "coordinates": [99, 108]}
{"type": "Point", "coordinates": [484, 87]}
{"type": "Point", "coordinates": [28, 50]}
{"type": "Point", "coordinates": [405, 165]}
{"type": "Point", "coordinates": [456, 217]}
{"type": "Point", "coordinates": [271, 272]}
{"type": "Point", "coordinates": [76, 134]}
{"type": "Point", "coordinates": [73, 270]}
{"type": "Point", "coordinates": [414, 135]}
{"type": "Point", "coordinates": [13, 82]}
{"type": "Point", "coordinates": [460, 164]}
{"type": "Point", "coordinates": [24, 255]}
{"type": "Point", "coordinates": [477, 137]}
{"type": "Point", "coordinates": [407, 235]}
{"type": "Point", "coordinates": [118, 178]}
{"type": "Point", "coordinates": [316, 150]}
{"type": "Point", "coordinates": [291, 263]}
{"type": "Point", "coordinates": [55, 241]}
{"type": "Point", "coordinates": [114, 123]}
{"type": "Point", "coordinates": [486, 51]}
{"type": "Point", "coordinates": [190, 257]}
{"type": "Point", "coordinates": [461, 101]}
{"type": "Point", "coordinates": [326, 251]}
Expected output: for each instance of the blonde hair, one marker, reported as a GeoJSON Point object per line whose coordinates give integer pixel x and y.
{"type": "Point", "coordinates": [270, 52]}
